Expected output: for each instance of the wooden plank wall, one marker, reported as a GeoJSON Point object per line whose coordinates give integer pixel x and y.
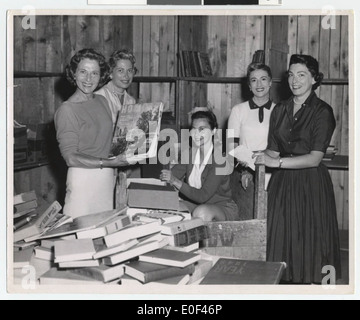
{"type": "Point", "coordinates": [49, 47]}
{"type": "Point", "coordinates": [330, 47]}
{"type": "Point", "coordinates": [155, 41]}
{"type": "Point", "coordinates": [231, 49]}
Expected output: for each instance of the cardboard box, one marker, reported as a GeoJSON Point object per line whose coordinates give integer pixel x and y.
{"type": "Point", "coordinates": [153, 196]}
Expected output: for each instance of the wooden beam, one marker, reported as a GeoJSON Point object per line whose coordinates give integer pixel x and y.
{"type": "Point", "coordinates": [260, 205]}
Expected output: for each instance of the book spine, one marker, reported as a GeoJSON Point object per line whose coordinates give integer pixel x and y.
{"type": "Point", "coordinates": [189, 237]}
{"type": "Point", "coordinates": [192, 64]}
{"type": "Point", "coordinates": [195, 57]}
{"type": "Point", "coordinates": [181, 65]}
{"type": "Point", "coordinates": [187, 63]}
{"type": "Point", "coordinates": [117, 225]}
{"type": "Point", "coordinates": [177, 227]}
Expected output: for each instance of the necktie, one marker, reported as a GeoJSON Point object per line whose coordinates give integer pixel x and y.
{"type": "Point", "coordinates": [267, 105]}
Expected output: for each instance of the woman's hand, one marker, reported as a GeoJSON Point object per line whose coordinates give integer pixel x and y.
{"type": "Point", "coordinates": [246, 178]}
{"type": "Point", "coordinates": [166, 176]}
{"type": "Point", "coordinates": [121, 161]}
{"type": "Point", "coordinates": [267, 160]}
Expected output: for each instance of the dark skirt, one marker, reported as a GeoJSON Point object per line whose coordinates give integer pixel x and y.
{"type": "Point", "coordinates": [302, 224]}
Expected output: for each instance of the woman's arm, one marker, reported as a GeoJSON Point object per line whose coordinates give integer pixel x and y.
{"type": "Point", "coordinates": [68, 138]}
{"type": "Point", "coordinates": [273, 160]}
{"type": "Point", "coordinates": [208, 189]}
{"type": "Point", "coordinates": [77, 159]}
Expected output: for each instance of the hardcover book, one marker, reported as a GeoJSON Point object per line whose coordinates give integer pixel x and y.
{"type": "Point", "coordinates": [164, 216]}
{"type": "Point", "coordinates": [37, 225]}
{"type": "Point", "coordinates": [72, 250]}
{"type": "Point", "coordinates": [24, 197]}
{"type": "Point", "coordinates": [115, 224]}
{"type": "Point", "coordinates": [189, 237]}
{"type": "Point", "coordinates": [55, 276]}
{"type": "Point", "coordinates": [101, 273]}
{"type": "Point", "coordinates": [136, 131]}
{"type": "Point", "coordinates": [153, 197]}
{"type": "Point", "coordinates": [227, 271]}
{"type": "Point", "coordinates": [133, 252]}
{"type": "Point", "coordinates": [25, 206]}
{"type": "Point", "coordinates": [170, 257]}
{"type": "Point", "coordinates": [185, 248]}
{"type": "Point", "coordinates": [205, 65]}
{"type": "Point", "coordinates": [103, 251]}
{"type": "Point", "coordinates": [133, 231]}
{"type": "Point", "coordinates": [79, 264]}
{"type": "Point", "coordinates": [22, 257]}
{"type": "Point", "coordinates": [180, 226]}
{"type": "Point", "coordinates": [148, 272]}
{"type": "Point", "coordinates": [82, 223]}
{"type": "Point", "coordinates": [44, 253]}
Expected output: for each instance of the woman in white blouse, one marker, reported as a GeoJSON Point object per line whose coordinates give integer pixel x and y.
{"type": "Point", "coordinates": [248, 125]}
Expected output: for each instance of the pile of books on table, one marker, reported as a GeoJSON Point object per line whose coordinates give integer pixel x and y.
{"type": "Point", "coordinates": [121, 246]}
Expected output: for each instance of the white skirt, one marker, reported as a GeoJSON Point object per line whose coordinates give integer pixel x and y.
{"type": "Point", "coordinates": [89, 191]}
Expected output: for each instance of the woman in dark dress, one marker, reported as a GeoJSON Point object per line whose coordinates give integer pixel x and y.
{"type": "Point", "coordinates": [302, 222]}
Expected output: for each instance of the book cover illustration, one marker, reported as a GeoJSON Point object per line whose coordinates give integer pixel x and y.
{"type": "Point", "coordinates": [137, 130]}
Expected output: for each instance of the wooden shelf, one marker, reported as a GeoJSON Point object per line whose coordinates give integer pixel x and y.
{"type": "Point", "coordinates": [33, 74]}
{"type": "Point", "coordinates": [30, 165]}
{"type": "Point", "coordinates": [340, 162]}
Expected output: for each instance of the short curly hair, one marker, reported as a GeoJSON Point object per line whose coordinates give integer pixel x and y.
{"type": "Point", "coordinates": [312, 64]}
{"type": "Point", "coordinates": [91, 54]}
{"type": "Point", "coordinates": [257, 66]}
{"type": "Point", "coordinates": [123, 54]}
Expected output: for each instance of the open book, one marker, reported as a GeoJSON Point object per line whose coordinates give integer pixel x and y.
{"type": "Point", "coordinates": [136, 131]}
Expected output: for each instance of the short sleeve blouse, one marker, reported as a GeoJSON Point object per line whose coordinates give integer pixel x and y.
{"type": "Point", "coordinates": [310, 129]}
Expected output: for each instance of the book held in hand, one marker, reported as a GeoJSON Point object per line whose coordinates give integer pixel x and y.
{"type": "Point", "coordinates": [136, 131]}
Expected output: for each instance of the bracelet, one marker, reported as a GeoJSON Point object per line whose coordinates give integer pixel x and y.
{"type": "Point", "coordinates": [280, 162]}
{"type": "Point", "coordinates": [101, 163]}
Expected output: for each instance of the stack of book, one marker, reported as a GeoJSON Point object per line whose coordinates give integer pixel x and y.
{"type": "Point", "coordinates": [330, 153]}
{"type": "Point", "coordinates": [195, 64]}
{"type": "Point", "coordinates": [185, 234]}
{"type": "Point", "coordinates": [24, 206]}
{"type": "Point", "coordinates": [113, 247]}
